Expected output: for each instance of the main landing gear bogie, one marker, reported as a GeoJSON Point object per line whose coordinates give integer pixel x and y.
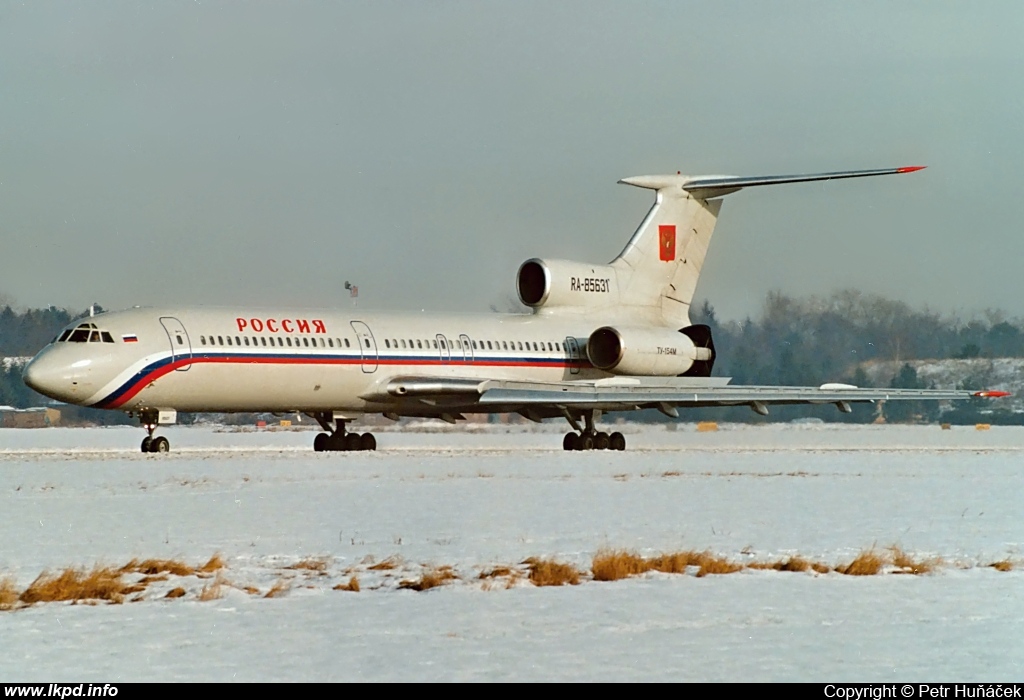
{"type": "Point", "coordinates": [587, 437]}
{"type": "Point", "coordinates": [348, 442]}
{"type": "Point", "coordinates": [336, 439]}
{"type": "Point", "coordinates": [597, 441]}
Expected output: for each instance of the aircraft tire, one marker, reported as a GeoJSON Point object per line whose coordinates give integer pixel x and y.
{"type": "Point", "coordinates": [160, 444]}
{"type": "Point", "coordinates": [569, 442]}
{"type": "Point", "coordinates": [617, 441]}
{"type": "Point", "coordinates": [602, 441]}
{"type": "Point", "coordinates": [351, 443]}
{"type": "Point", "coordinates": [321, 443]}
{"type": "Point", "coordinates": [146, 443]}
{"type": "Point", "coordinates": [367, 442]}
{"type": "Point", "coordinates": [586, 442]}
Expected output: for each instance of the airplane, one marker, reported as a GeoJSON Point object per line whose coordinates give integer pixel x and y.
{"type": "Point", "coordinates": [600, 338]}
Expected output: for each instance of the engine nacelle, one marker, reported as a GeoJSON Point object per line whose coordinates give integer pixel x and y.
{"type": "Point", "coordinates": [555, 283]}
{"type": "Point", "coordinates": [652, 351]}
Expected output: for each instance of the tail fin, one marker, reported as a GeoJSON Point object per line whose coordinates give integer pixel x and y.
{"type": "Point", "coordinates": [661, 264]}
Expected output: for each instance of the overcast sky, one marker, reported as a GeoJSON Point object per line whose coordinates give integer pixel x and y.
{"type": "Point", "coordinates": [222, 153]}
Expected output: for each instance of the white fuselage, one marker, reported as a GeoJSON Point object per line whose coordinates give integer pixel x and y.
{"type": "Point", "coordinates": [205, 359]}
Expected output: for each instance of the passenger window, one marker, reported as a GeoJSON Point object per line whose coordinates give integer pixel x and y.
{"type": "Point", "coordinates": [237, 340]}
{"type": "Point", "coordinates": [366, 341]}
{"type": "Point", "coordinates": [229, 340]}
{"type": "Point", "coordinates": [489, 345]}
{"type": "Point", "coordinates": [246, 339]}
{"type": "Point", "coordinates": [202, 340]}
{"type": "Point", "coordinates": [504, 345]}
{"type": "Point", "coordinates": [387, 343]}
{"type": "Point", "coordinates": [474, 345]}
{"type": "Point", "coordinates": [403, 343]}
{"type": "Point", "coordinates": [107, 338]}
{"type": "Point", "coordinates": [288, 341]}
{"type": "Point", "coordinates": [347, 345]}
{"type": "Point", "coordinates": [330, 342]}
{"type": "Point", "coordinates": [305, 341]}
{"type": "Point", "coordinates": [419, 344]}
{"type": "Point", "coordinates": [520, 345]}
{"type": "Point", "coordinates": [263, 339]}
{"type": "Point", "coordinates": [411, 346]}
{"type": "Point", "coordinates": [220, 340]}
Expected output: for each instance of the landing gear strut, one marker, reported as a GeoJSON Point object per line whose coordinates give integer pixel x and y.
{"type": "Point", "coordinates": [337, 440]}
{"type": "Point", "coordinates": [588, 438]}
{"type": "Point", "coordinates": [150, 443]}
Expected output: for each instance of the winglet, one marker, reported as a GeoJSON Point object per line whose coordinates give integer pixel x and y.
{"type": "Point", "coordinates": [988, 394]}
{"type": "Point", "coordinates": [911, 168]}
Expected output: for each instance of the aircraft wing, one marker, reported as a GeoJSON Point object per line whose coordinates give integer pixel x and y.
{"type": "Point", "coordinates": [632, 393]}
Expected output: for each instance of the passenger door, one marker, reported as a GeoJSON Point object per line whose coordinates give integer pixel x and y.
{"type": "Point", "coordinates": [181, 345]}
{"type": "Point", "coordinates": [367, 346]}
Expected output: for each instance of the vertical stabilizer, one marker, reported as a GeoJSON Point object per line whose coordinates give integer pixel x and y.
{"type": "Point", "coordinates": [661, 264]}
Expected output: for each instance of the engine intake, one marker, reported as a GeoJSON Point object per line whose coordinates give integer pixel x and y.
{"type": "Point", "coordinates": [544, 284]}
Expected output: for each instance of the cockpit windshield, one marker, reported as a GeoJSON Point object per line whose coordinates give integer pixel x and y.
{"type": "Point", "coordinates": [85, 333]}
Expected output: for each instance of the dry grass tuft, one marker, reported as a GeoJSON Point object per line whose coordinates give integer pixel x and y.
{"type": "Point", "coordinates": [278, 589]}
{"type": "Point", "coordinates": [392, 562]}
{"type": "Point", "coordinates": [8, 594]}
{"type": "Point", "coordinates": [102, 583]}
{"type": "Point", "coordinates": [151, 567]}
{"type": "Point", "coordinates": [797, 564]}
{"type": "Point", "coordinates": [216, 563]}
{"type": "Point", "coordinates": [820, 568]}
{"type": "Point", "coordinates": [717, 565]}
{"type": "Point", "coordinates": [867, 563]}
{"type": "Point", "coordinates": [547, 572]}
{"type": "Point", "coordinates": [431, 579]}
{"type": "Point", "coordinates": [1004, 565]}
{"type": "Point", "coordinates": [310, 564]}
{"type": "Point", "coordinates": [678, 562]}
{"type": "Point", "coordinates": [352, 585]}
{"type": "Point", "coordinates": [178, 592]}
{"type": "Point", "coordinates": [908, 565]}
{"type": "Point", "coordinates": [496, 572]}
{"type": "Point", "coordinates": [615, 564]}
{"type": "Point", "coordinates": [212, 591]}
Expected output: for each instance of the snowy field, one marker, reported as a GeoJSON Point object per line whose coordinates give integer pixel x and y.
{"type": "Point", "coordinates": [297, 525]}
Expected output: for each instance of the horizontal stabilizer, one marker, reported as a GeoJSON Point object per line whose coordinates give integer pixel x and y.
{"type": "Point", "coordinates": [709, 186]}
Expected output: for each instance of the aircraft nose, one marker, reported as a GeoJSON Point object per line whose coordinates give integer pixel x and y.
{"type": "Point", "coordinates": [50, 377]}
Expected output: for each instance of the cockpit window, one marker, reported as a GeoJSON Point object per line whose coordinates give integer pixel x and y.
{"type": "Point", "coordinates": [85, 333]}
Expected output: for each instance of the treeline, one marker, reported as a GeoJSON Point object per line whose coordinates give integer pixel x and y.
{"type": "Point", "coordinates": [810, 341]}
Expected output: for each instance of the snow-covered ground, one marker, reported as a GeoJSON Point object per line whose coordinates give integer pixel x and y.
{"type": "Point", "coordinates": [285, 518]}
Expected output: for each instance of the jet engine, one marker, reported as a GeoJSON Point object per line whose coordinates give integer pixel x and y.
{"type": "Point", "coordinates": [688, 352]}
{"type": "Point", "coordinates": [562, 283]}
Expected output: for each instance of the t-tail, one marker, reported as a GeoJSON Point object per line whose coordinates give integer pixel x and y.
{"type": "Point", "coordinates": [661, 263]}
{"type": "Point", "coordinates": [653, 280]}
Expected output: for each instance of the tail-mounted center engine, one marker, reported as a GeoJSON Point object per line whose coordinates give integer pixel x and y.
{"type": "Point", "coordinates": [563, 283]}
{"type": "Point", "coordinates": [688, 352]}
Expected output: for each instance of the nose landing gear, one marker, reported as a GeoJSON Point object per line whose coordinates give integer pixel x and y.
{"type": "Point", "coordinates": [337, 440]}
{"type": "Point", "coordinates": [588, 438]}
{"type": "Point", "coordinates": [150, 420]}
